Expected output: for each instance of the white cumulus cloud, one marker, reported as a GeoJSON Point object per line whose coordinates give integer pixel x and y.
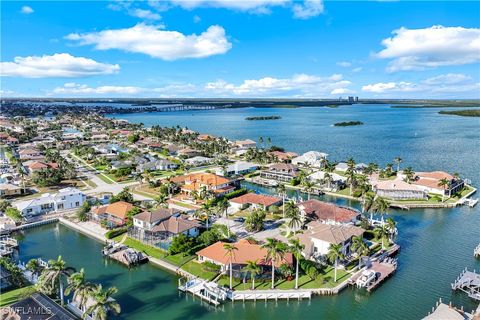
{"type": "Point", "coordinates": [441, 86]}
{"type": "Point", "coordinates": [420, 49]}
{"type": "Point", "coordinates": [257, 6]}
{"type": "Point", "coordinates": [297, 85]}
{"type": "Point", "coordinates": [344, 64]}
{"type": "Point", "coordinates": [157, 43]}
{"type": "Point", "coordinates": [309, 9]}
{"type": "Point", "coordinates": [56, 65]}
{"type": "Point", "coordinates": [26, 10]}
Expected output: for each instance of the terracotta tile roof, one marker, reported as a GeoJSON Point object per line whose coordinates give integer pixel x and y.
{"type": "Point", "coordinates": [118, 209]}
{"type": "Point", "coordinates": [327, 211]}
{"type": "Point", "coordinates": [431, 179]}
{"type": "Point", "coordinates": [335, 234]}
{"type": "Point", "coordinates": [252, 198]}
{"type": "Point", "coordinates": [202, 179]}
{"type": "Point", "coordinates": [246, 251]}
{"type": "Point", "coordinates": [38, 165]}
{"type": "Point", "coordinates": [155, 215]}
{"type": "Point", "coordinates": [283, 155]}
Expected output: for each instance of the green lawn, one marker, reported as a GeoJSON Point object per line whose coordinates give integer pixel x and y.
{"type": "Point", "coordinates": [151, 251]}
{"type": "Point", "coordinates": [196, 269]}
{"type": "Point", "coordinates": [148, 195]}
{"type": "Point", "coordinates": [12, 296]}
{"type": "Point", "coordinates": [325, 280]}
{"type": "Point", "coordinates": [104, 179]}
{"type": "Point", "coordinates": [178, 259]}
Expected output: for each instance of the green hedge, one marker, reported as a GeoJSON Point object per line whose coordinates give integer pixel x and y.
{"type": "Point", "coordinates": [115, 232]}
{"type": "Point", "coordinates": [236, 193]}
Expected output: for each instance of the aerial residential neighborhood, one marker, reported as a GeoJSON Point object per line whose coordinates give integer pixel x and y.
{"type": "Point", "coordinates": [239, 159]}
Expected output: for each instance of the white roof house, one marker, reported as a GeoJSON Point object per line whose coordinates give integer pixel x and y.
{"type": "Point", "coordinates": [311, 158]}
{"type": "Point", "coordinates": [67, 198]}
{"type": "Point", "coordinates": [198, 160]}
{"type": "Point", "coordinates": [238, 167]}
{"type": "Point", "coordinates": [319, 175]}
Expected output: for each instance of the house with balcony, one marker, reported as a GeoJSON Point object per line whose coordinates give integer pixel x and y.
{"type": "Point", "coordinates": [208, 181]}
{"type": "Point", "coordinates": [284, 172]}
{"type": "Point", "coordinates": [65, 199]}
{"type": "Point", "coordinates": [430, 183]}
{"type": "Point", "coordinates": [115, 214]}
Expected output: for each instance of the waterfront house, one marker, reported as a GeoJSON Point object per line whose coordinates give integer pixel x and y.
{"type": "Point", "coordinates": [244, 144]}
{"type": "Point", "coordinates": [336, 181]}
{"type": "Point", "coordinates": [9, 190]}
{"type": "Point", "coordinates": [65, 199]}
{"type": "Point", "coordinates": [115, 214]}
{"type": "Point", "coordinates": [310, 159]}
{"type": "Point", "coordinates": [327, 213]}
{"type": "Point", "coordinates": [283, 156]}
{"type": "Point", "coordinates": [246, 251]}
{"type": "Point", "coordinates": [398, 190]}
{"type": "Point", "coordinates": [254, 201]}
{"type": "Point", "coordinates": [429, 182]}
{"type": "Point", "coordinates": [202, 180]}
{"type": "Point", "coordinates": [162, 224]}
{"type": "Point", "coordinates": [341, 167]}
{"type": "Point", "coordinates": [318, 238]}
{"type": "Point", "coordinates": [239, 167]}
{"type": "Point", "coordinates": [280, 171]}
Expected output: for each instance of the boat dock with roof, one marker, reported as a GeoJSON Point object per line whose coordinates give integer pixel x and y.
{"type": "Point", "coordinates": [468, 282]}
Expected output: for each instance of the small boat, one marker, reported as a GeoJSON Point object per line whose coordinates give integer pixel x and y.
{"type": "Point", "coordinates": [367, 277]}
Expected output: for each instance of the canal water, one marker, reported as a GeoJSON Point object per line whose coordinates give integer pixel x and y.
{"type": "Point", "coordinates": [436, 243]}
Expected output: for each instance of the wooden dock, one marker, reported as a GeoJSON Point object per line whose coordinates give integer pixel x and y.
{"type": "Point", "coordinates": [207, 291]}
{"type": "Point", "coordinates": [382, 269]}
{"type": "Point", "coordinates": [255, 295]}
{"type": "Point", "coordinates": [468, 282]}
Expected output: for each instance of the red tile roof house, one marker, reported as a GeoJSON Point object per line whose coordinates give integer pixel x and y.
{"type": "Point", "coordinates": [162, 224]}
{"type": "Point", "coordinates": [246, 251]}
{"type": "Point", "coordinates": [34, 166]}
{"type": "Point", "coordinates": [115, 213]}
{"type": "Point", "coordinates": [26, 154]}
{"type": "Point", "coordinates": [255, 201]}
{"type": "Point", "coordinates": [428, 181]}
{"type": "Point", "coordinates": [328, 213]}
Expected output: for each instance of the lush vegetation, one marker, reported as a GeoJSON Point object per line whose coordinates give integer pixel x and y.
{"type": "Point", "coordinates": [115, 232]}
{"type": "Point", "coordinates": [348, 123]}
{"type": "Point", "coordinates": [264, 118]}
{"type": "Point", "coordinates": [463, 113]}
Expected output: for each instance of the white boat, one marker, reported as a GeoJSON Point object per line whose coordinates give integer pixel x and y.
{"type": "Point", "coordinates": [367, 277]}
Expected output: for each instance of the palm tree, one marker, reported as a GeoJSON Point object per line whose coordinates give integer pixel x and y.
{"type": "Point", "coordinates": [254, 269]}
{"type": "Point", "coordinates": [398, 160]}
{"type": "Point", "coordinates": [223, 206]}
{"type": "Point", "coordinates": [381, 233]}
{"type": "Point", "coordinates": [381, 206]}
{"type": "Point", "coordinates": [21, 173]}
{"type": "Point", "coordinates": [34, 267]}
{"type": "Point", "coordinates": [260, 141]}
{"type": "Point", "coordinates": [334, 254]}
{"type": "Point", "coordinates": [408, 172]}
{"type": "Point", "coordinates": [205, 212]}
{"type": "Point", "coordinates": [293, 213]}
{"type": "Point", "coordinates": [283, 191]}
{"type": "Point", "coordinates": [308, 187]}
{"type": "Point", "coordinates": [275, 249]}
{"type": "Point", "coordinates": [443, 183]}
{"type": "Point", "coordinates": [367, 205]}
{"type": "Point", "coordinates": [103, 303]}
{"type": "Point", "coordinates": [162, 199]}
{"type": "Point", "coordinates": [53, 274]}
{"type": "Point", "coordinates": [328, 178]}
{"type": "Point", "coordinates": [296, 249]}
{"type": "Point", "coordinates": [391, 226]}
{"type": "Point", "coordinates": [360, 247]}
{"type": "Point", "coordinates": [80, 287]}
{"type": "Point", "coordinates": [230, 251]}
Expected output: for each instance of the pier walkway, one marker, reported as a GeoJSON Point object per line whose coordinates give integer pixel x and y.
{"type": "Point", "coordinates": [270, 295]}
{"type": "Point", "coordinates": [468, 282]}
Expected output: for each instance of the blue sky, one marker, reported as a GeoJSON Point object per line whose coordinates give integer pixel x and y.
{"type": "Point", "coordinates": [226, 48]}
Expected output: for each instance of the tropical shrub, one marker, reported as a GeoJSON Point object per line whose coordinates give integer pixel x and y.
{"type": "Point", "coordinates": [115, 232]}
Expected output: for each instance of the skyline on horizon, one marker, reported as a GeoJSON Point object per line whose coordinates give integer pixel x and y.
{"type": "Point", "coordinates": [232, 49]}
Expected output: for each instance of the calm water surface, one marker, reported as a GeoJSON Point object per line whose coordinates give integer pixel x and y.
{"type": "Point", "coordinates": [436, 244]}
